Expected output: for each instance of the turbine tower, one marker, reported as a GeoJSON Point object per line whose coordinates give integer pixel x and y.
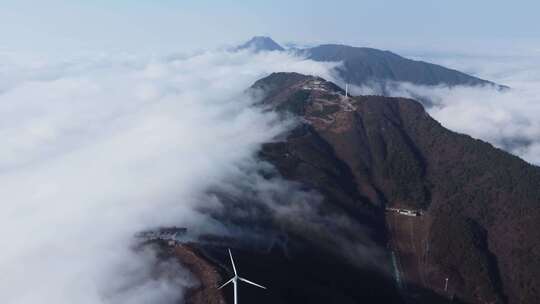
{"type": "Point", "coordinates": [235, 279]}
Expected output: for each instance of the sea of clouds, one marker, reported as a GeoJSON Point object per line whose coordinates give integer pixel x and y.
{"type": "Point", "coordinates": [98, 147]}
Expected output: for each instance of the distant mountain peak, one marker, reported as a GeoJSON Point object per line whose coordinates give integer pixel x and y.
{"type": "Point", "coordinates": [363, 65]}
{"type": "Point", "coordinates": [261, 43]}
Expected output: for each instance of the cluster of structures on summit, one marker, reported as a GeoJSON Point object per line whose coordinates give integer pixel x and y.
{"type": "Point", "coordinates": [170, 235]}
{"type": "Point", "coordinates": [320, 84]}
{"type": "Point", "coordinates": [328, 103]}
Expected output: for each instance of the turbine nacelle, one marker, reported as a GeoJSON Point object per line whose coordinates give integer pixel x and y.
{"type": "Point", "coordinates": [235, 279]}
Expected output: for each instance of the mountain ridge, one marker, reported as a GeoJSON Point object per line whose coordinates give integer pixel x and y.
{"type": "Point", "coordinates": [363, 65]}
{"type": "Point", "coordinates": [379, 69]}
{"type": "Point", "coordinates": [398, 156]}
{"type": "Point", "coordinates": [396, 208]}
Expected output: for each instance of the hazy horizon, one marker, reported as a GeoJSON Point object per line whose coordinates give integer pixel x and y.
{"type": "Point", "coordinates": [168, 26]}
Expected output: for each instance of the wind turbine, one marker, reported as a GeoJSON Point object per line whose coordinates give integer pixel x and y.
{"type": "Point", "coordinates": [235, 279]}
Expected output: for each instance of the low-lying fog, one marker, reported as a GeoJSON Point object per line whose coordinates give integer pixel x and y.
{"type": "Point", "coordinates": [95, 149]}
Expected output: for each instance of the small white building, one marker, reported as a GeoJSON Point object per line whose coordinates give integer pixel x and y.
{"type": "Point", "coordinates": [407, 212]}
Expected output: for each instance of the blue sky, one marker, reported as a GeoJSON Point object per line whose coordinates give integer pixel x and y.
{"type": "Point", "coordinates": [155, 25]}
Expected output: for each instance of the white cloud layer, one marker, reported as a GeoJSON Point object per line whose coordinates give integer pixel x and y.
{"type": "Point", "coordinates": [98, 147]}
{"type": "Point", "coordinates": [95, 149]}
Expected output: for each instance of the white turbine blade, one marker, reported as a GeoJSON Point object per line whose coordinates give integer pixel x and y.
{"type": "Point", "coordinates": [252, 283]}
{"type": "Point", "coordinates": [225, 283]}
{"type": "Point", "coordinates": [232, 261]}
